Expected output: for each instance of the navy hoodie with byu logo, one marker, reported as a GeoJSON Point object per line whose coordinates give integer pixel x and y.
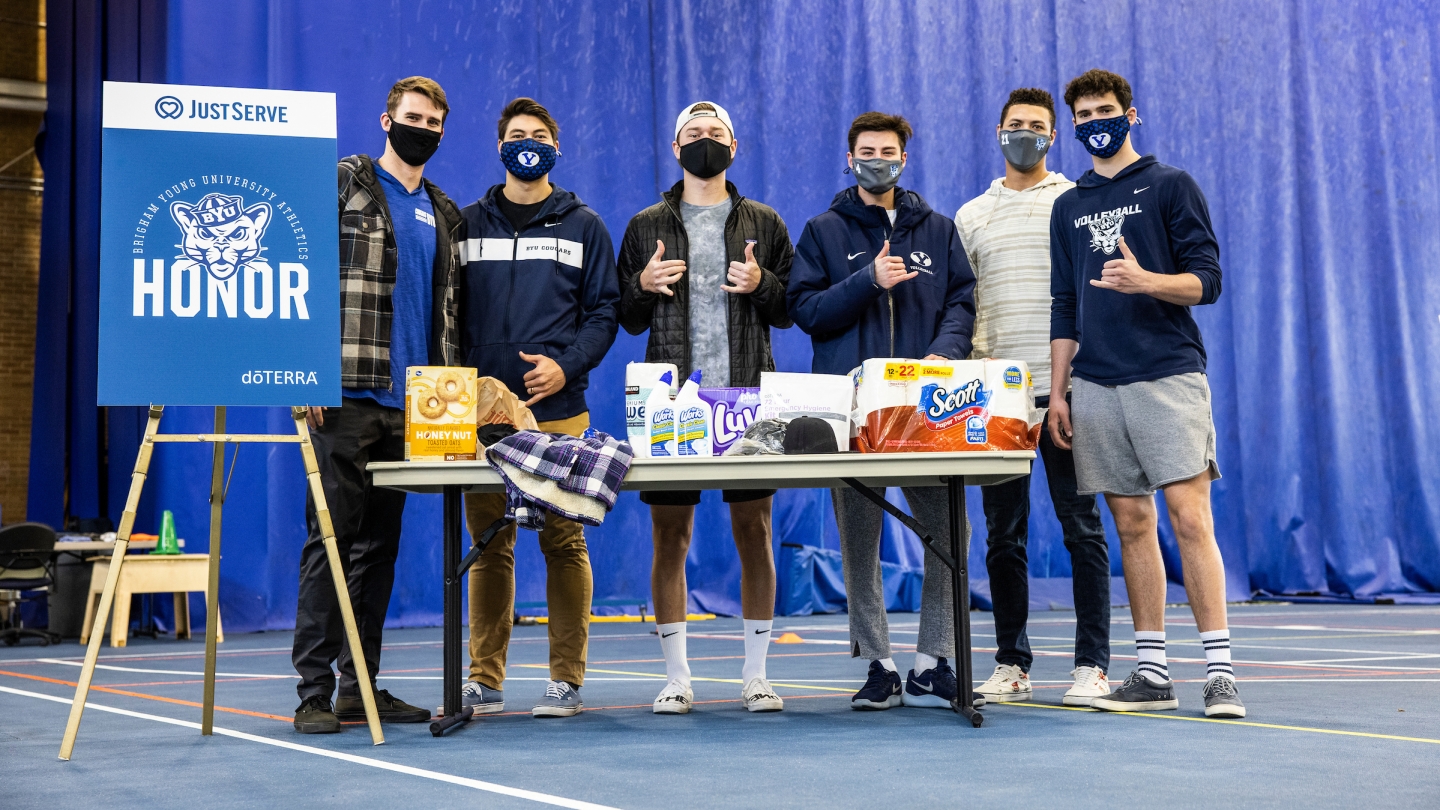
{"type": "Point", "coordinates": [1127, 338]}
{"type": "Point", "coordinates": [834, 298]}
{"type": "Point", "coordinates": [549, 289]}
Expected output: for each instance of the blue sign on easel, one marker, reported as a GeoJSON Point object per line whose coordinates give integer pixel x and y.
{"type": "Point", "coordinates": [219, 255]}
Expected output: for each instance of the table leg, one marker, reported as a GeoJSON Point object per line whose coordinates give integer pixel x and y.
{"type": "Point", "coordinates": [455, 714]}
{"type": "Point", "coordinates": [960, 582]}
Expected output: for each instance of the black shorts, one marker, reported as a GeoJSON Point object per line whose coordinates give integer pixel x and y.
{"type": "Point", "coordinates": [691, 497]}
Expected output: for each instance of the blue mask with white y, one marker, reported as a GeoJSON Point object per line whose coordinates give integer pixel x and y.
{"type": "Point", "coordinates": [1104, 137]}
{"type": "Point", "coordinates": [528, 159]}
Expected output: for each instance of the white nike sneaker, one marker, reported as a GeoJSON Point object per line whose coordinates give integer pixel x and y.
{"type": "Point", "coordinates": [1090, 683]}
{"type": "Point", "coordinates": [1008, 685]}
{"type": "Point", "coordinates": [759, 697]}
{"type": "Point", "coordinates": [675, 698]}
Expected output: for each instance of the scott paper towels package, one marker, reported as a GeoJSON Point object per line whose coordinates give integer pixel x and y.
{"type": "Point", "coordinates": [824, 396]}
{"type": "Point", "coordinates": [731, 411]}
{"type": "Point", "coordinates": [944, 405]}
{"type": "Point", "coordinates": [639, 379]}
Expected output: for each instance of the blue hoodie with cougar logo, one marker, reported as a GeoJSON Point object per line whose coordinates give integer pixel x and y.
{"type": "Point", "coordinates": [833, 296]}
{"type": "Point", "coordinates": [1127, 338]}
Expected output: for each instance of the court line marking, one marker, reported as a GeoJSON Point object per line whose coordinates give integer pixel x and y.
{"type": "Point", "coordinates": [477, 784]}
{"type": "Point", "coordinates": [653, 676]}
{"type": "Point", "coordinates": [112, 667]}
{"type": "Point", "coordinates": [1252, 724]}
{"type": "Point", "coordinates": [142, 695]}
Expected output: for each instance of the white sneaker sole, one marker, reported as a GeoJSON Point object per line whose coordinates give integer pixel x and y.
{"type": "Point", "coordinates": [670, 707]}
{"type": "Point", "coordinates": [1140, 706]}
{"type": "Point", "coordinates": [487, 708]}
{"type": "Point", "coordinates": [766, 705]}
{"type": "Point", "coordinates": [1078, 700]}
{"type": "Point", "coordinates": [1007, 697]}
{"type": "Point", "coordinates": [872, 706]}
{"type": "Point", "coordinates": [924, 701]}
{"type": "Point", "coordinates": [1235, 712]}
{"type": "Point", "coordinates": [556, 711]}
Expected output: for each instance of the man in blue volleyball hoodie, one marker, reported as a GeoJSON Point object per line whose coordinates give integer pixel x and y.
{"type": "Point", "coordinates": [882, 275]}
{"type": "Point", "coordinates": [538, 311]}
{"type": "Point", "coordinates": [1131, 250]}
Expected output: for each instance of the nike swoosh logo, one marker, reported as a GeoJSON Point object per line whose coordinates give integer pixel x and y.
{"type": "Point", "coordinates": [758, 632]}
{"type": "Point", "coordinates": [853, 255]}
{"type": "Point", "coordinates": [1138, 190]}
{"type": "Point", "coordinates": [667, 635]}
{"type": "Point", "coordinates": [553, 224]}
{"type": "Point", "coordinates": [925, 686]}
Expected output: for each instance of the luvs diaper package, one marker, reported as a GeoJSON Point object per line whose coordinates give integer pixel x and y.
{"type": "Point", "coordinates": [944, 405]}
{"type": "Point", "coordinates": [731, 411]}
{"type": "Point", "coordinates": [440, 413]}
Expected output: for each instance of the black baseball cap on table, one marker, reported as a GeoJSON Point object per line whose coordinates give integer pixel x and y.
{"type": "Point", "coordinates": [807, 435]}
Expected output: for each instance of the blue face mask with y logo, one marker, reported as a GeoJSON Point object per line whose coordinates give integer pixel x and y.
{"type": "Point", "coordinates": [1103, 138]}
{"type": "Point", "coordinates": [528, 159]}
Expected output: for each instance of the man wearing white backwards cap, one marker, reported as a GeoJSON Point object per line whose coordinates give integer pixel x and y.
{"type": "Point", "coordinates": [705, 271]}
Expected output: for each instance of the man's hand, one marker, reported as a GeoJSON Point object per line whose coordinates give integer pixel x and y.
{"type": "Point", "coordinates": [1059, 422]}
{"type": "Point", "coordinates": [1125, 275]}
{"type": "Point", "coordinates": [890, 270]}
{"type": "Point", "coordinates": [744, 276]}
{"type": "Point", "coordinates": [935, 357]}
{"type": "Point", "coordinates": [543, 380]}
{"type": "Point", "coordinates": [659, 275]}
{"type": "Point", "coordinates": [315, 417]}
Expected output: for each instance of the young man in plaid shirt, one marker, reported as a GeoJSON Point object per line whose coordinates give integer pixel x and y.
{"type": "Point", "coordinates": [399, 266]}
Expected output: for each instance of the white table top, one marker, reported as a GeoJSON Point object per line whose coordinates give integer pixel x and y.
{"type": "Point", "coordinates": [740, 472]}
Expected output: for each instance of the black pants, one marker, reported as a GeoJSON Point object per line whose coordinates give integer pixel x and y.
{"type": "Point", "coordinates": [1007, 517]}
{"type": "Point", "coordinates": [367, 530]}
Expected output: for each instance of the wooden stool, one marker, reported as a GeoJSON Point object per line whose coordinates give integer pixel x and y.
{"type": "Point", "coordinates": [150, 573]}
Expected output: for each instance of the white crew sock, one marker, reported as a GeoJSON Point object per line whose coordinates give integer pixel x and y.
{"type": "Point", "coordinates": [924, 662]}
{"type": "Point", "coordinates": [1151, 649]}
{"type": "Point", "coordinates": [757, 645]}
{"type": "Point", "coordinates": [888, 663]}
{"type": "Point", "coordinates": [672, 644]}
{"type": "Point", "coordinates": [1217, 654]}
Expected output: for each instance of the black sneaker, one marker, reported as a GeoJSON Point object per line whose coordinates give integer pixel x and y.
{"type": "Point", "coordinates": [314, 716]}
{"type": "Point", "coordinates": [881, 689]}
{"type": "Point", "coordinates": [1222, 699]}
{"type": "Point", "coordinates": [1138, 695]}
{"type": "Point", "coordinates": [934, 688]}
{"type": "Point", "coordinates": [390, 708]}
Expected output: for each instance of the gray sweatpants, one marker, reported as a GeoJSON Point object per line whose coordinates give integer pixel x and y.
{"type": "Point", "coordinates": [860, 522]}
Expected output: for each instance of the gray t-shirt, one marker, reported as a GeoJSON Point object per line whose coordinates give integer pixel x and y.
{"type": "Point", "coordinates": [709, 310]}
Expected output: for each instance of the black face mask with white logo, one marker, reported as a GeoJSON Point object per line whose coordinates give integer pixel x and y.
{"type": "Point", "coordinates": [877, 175]}
{"type": "Point", "coordinates": [414, 145]}
{"type": "Point", "coordinates": [705, 158]}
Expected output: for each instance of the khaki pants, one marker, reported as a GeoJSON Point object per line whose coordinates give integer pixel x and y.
{"type": "Point", "coordinates": [568, 585]}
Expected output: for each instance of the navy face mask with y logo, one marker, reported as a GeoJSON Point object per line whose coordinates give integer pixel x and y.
{"type": "Point", "coordinates": [528, 159]}
{"type": "Point", "coordinates": [1104, 137]}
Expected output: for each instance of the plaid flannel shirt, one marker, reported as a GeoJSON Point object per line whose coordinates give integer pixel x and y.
{"type": "Point", "coordinates": [367, 277]}
{"type": "Point", "coordinates": [582, 469]}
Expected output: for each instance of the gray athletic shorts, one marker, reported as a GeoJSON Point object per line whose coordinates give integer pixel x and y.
{"type": "Point", "coordinates": [1134, 439]}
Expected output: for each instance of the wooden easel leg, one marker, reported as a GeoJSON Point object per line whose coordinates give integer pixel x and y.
{"type": "Point", "coordinates": [337, 572]}
{"type": "Point", "coordinates": [212, 593]}
{"type": "Point", "coordinates": [122, 544]}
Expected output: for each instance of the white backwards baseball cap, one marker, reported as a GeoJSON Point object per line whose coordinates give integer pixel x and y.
{"type": "Point", "coordinates": [690, 113]}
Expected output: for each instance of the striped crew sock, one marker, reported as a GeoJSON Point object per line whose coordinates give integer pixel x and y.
{"type": "Point", "coordinates": [1151, 649]}
{"type": "Point", "coordinates": [1217, 654]}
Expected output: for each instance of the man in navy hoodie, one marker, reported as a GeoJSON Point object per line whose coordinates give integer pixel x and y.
{"type": "Point", "coordinates": [1131, 250]}
{"type": "Point", "coordinates": [538, 299]}
{"type": "Point", "coordinates": [882, 275]}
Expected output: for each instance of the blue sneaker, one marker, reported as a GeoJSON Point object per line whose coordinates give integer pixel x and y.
{"type": "Point", "coordinates": [932, 689]}
{"type": "Point", "coordinates": [482, 698]}
{"type": "Point", "coordinates": [561, 700]}
{"type": "Point", "coordinates": [881, 689]}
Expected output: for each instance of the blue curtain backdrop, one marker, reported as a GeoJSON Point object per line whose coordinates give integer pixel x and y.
{"type": "Point", "coordinates": [1311, 126]}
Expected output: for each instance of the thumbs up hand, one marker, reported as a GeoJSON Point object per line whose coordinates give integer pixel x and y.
{"type": "Point", "coordinates": [744, 276]}
{"type": "Point", "coordinates": [890, 270]}
{"type": "Point", "coordinates": [659, 275]}
{"type": "Point", "coordinates": [1125, 275]}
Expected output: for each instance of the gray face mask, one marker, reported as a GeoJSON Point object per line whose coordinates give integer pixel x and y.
{"type": "Point", "coordinates": [877, 175]}
{"type": "Point", "coordinates": [1023, 148]}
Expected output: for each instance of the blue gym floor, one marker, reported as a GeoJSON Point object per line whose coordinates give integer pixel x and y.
{"type": "Point", "coordinates": [1344, 708]}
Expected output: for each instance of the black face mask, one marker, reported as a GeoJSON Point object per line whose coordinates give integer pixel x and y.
{"type": "Point", "coordinates": [705, 158]}
{"type": "Point", "coordinates": [414, 145]}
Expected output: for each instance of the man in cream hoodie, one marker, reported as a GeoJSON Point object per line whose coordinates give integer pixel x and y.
{"type": "Point", "coordinates": [1006, 232]}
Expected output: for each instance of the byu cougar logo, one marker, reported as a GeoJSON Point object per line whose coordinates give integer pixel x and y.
{"type": "Point", "coordinates": [220, 233]}
{"type": "Point", "coordinates": [1105, 231]}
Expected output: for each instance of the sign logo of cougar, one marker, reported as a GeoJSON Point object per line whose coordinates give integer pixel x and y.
{"type": "Point", "coordinates": [944, 407]}
{"type": "Point", "coordinates": [169, 107]}
{"type": "Point", "coordinates": [219, 233]}
{"type": "Point", "coordinates": [1100, 140]}
{"type": "Point", "coordinates": [1105, 229]}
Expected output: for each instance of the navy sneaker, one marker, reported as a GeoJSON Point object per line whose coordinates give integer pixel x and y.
{"type": "Point", "coordinates": [881, 689]}
{"type": "Point", "coordinates": [932, 689]}
{"type": "Point", "coordinates": [1138, 695]}
{"type": "Point", "coordinates": [1222, 699]}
